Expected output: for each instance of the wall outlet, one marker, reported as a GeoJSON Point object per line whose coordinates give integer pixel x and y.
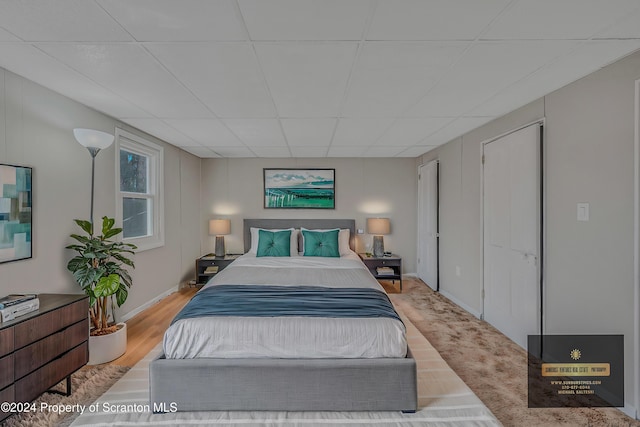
{"type": "Point", "coordinates": [360, 231]}
{"type": "Point", "coordinates": [458, 271]}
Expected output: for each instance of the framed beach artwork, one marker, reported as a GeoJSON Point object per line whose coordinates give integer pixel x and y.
{"type": "Point", "coordinates": [15, 212]}
{"type": "Point", "coordinates": [299, 188]}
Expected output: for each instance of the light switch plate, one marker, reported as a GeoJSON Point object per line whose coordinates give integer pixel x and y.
{"type": "Point", "coordinates": [583, 211]}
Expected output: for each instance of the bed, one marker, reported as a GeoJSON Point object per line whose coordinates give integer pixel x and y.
{"type": "Point", "coordinates": [296, 362]}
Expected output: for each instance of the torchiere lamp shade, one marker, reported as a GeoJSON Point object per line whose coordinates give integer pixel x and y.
{"type": "Point", "coordinates": [378, 227]}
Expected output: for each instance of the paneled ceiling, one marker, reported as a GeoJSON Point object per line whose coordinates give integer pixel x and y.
{"type": "Point", "coordinates": [311, 78]}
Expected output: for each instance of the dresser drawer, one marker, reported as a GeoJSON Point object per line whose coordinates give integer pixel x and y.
{"type": "Point", "coordinates": [39, 353]}
{"type": "Point", "coordinates": [31, 386]}
{"type": "Point", "coordinates": [6, 341]}
{"type": "Point", "coordinates": [6, 395]}
{"type": "Point", "coordinates": [6, 372]}
{"type": "Point", "coordinates": [33, 329]}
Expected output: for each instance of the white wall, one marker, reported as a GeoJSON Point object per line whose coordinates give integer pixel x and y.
{"type": "Point", "coordinates": [36, 129]}
{"type": "Point", "coordinates": [233, 188]}
{"type": "Point", "coordinates": [589, 157]}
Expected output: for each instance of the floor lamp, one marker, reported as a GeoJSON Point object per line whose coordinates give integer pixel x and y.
{"type": "Point", "coordinates": [94, 141]}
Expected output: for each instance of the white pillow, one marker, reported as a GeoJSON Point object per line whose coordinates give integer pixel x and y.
{"type": "Point", "coordinates": [343, 239]}
{"type": "Point", "coordinates": [293, 248]}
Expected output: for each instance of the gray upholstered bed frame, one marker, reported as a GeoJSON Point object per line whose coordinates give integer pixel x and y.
{"type": "Point", "coordinates": [385, 384]}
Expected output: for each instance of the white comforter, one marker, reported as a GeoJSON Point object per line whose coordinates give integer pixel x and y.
{"type": "Point", "coordinates": [289, 337]}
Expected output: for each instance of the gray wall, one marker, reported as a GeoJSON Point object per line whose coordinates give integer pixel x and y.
{"type": "Point", "coordinates": [37, 130]}
{"type": "Point", "coordinates": [589, 157]}
{"type": "Point", "coordinates": [232, 188]}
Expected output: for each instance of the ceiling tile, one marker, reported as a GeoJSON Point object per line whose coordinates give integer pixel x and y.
{"type": "Point", "coordinates": [433, 19]}
{"type": "Point", "coordinates": [587, 58]}
{"type": "Point", "coordinates": [305, 19]}
{"type": "Point", "coordinates": [391, 77]}
{"type": "Point", "coordinates": [206, 132]}
{"type": "Point", "coordinates": [226, 76]}
{"type": "Point", "coordinates": [234, 152]}
{"type": "Point", "coordinates": [309, 151]}
{"type": "Point", "coordinates": [406, 132]}
{"type": "Point", "coordinates": [483, 71]}
{"type": "Point", "coordinates": [308, 132]}
{"type": "Point", "coordinates": [455, 129]}
{"type": "Point", "coordinates": [186, 20]}
{"type": "Point", "coordinates": [271, 151]}
{"type": "Point", "coordinates": [33, 64]}
{"type": "Point", "coordinates": [417, 150]}
{"type": "Point", "coordinates": [346, 151]}
{"type": "Point", "coordinates": [359, 132]}
{"type": "Point", "coordinates": [129, 71]}
{"type": "Point", "coordinates": [257, 132]}
{"type": "Point", "coordinates": [626, 28]}
{"type": "Point", "coordinates": [384, 151]}
{"type": "Point", "coordinates": [552, 19]}
{"type": "Point", "coordinates": [202, 152]}
{"type": "Point", "coordinates": [307, 79]}
{"type": "Point", "coordinates": [6, 36]}
{"type": "Point", "coordinates": [161, 130]}
{"type": "Point", "coordinates": [68, 20]}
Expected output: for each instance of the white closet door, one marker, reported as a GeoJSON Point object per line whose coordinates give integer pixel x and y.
{"type": "Point", "coordinates": [428, 225]}
{"type": "Point", "coordinates": [512, 233]}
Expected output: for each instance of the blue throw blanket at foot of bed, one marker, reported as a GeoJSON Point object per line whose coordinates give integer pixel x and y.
{"type": "Point", "coordinates": [278, 301]}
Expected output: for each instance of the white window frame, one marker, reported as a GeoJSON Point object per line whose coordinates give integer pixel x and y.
{"type": "Point", "coordinates": [155, 154]}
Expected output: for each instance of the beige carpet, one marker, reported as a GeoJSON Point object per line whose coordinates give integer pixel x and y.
{"type": "Point", "coordinates": [489, 363]}
{"type": "Point", "coordinates": [86, 386]}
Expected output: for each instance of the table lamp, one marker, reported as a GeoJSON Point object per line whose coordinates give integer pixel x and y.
{"type": "Point", "coordinates": [378, 227]}
{"type": "Point", "coordinates": [218, 228]}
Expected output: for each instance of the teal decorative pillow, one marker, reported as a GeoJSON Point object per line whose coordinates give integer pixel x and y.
{"type": "Point", "coordinates": [321, 243]}
{"type": "Point", "coordinates": [274, 243]}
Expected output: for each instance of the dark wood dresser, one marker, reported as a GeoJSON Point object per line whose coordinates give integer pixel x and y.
{"type": "Point", "coordinates": [40, 349]}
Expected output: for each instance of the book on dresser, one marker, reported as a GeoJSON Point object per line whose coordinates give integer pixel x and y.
{"type": "Point", "coordinates": [19, 309]}
{"type": "Point", "coordinates": [14, 299]}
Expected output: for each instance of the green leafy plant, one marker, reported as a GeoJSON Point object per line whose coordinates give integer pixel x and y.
{"type": "Point", "coordinates": [99, 269]}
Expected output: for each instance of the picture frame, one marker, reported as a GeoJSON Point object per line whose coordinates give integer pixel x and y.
{"type": "Point", "coordinates": [291, 188]}
{"type": "Point", "coordinates": [16, 212]}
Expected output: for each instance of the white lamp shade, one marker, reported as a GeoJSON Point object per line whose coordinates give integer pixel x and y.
{"type": "Point", "coordinates": [219, 227]}
{"type": "Point", "coordinates": [91, 138]}
{"type": "Point", "coordinates": [378, 226]}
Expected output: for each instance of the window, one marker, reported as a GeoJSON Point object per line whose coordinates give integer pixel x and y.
{"type": "Point", "coordinates": [139, 202]}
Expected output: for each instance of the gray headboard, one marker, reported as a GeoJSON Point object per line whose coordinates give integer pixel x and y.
{"type": "Point", "coordinates": [297, 223]}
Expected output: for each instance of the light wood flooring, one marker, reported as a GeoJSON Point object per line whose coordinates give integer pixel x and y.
{"type": "Point", "coordinates": [146, 329]}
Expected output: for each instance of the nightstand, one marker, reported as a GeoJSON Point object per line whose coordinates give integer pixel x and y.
{"type": "Point", "coordinates": [394, 262]}
{"type": "Point", "coordinates": [206, 261]}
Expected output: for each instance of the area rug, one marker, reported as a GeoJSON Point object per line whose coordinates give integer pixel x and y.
{"type": "Point", "coordinates": [87, 385]}
{"type": "Point", "coordinates": [443, 400]}
{"type": "Point", "coordinates": [493, 366]}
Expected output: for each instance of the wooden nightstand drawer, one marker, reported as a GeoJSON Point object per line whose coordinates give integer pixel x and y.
{"type": "Point", "coordinates": [41, 326]}
{"type": "Point", "coordinates": [203, 263]}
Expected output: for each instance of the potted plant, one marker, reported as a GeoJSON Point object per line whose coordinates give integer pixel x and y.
{"type": "Point", "coordinates": [99, 268]}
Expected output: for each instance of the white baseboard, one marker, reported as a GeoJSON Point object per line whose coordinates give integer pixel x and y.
{"type": "Point", "coordinates": [461, 304]}
{"type": "Point", "coordinates": [410, 274]}
{"type": "Point", "coordinates": [630, 411]}
{"type": "Point", "coordinates": [148, 304]}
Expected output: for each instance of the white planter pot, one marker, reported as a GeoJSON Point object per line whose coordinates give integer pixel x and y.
{"type": "Point", "coordinates": [105, 348]}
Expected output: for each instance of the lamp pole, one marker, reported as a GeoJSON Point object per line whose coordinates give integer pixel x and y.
{"type": "Point", "coordinates": [94, 152]}
{"type": "Point", "coordinates": [94, 141]}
